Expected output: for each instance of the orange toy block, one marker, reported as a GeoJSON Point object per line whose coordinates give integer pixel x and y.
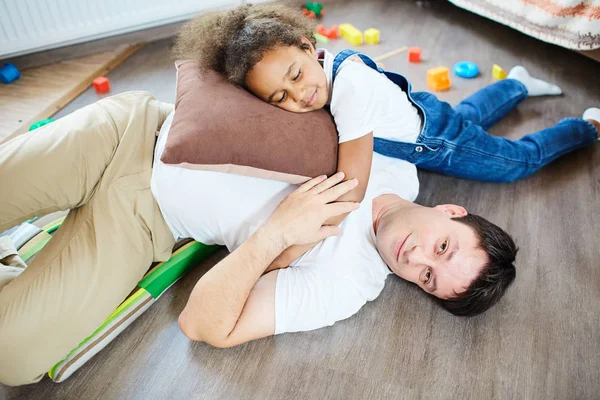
{"type": "Point", "coordinates": [331, 33]}
{"type": "Point", "coordinates": [438, 78]}
{"type": "Point", "coordinates": [101, 84]}
{"type": "Point", "coordinates": [414, 54]}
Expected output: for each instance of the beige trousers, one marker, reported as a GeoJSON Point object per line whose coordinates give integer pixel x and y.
{"type": "Point", "coordinates": [97, 162]}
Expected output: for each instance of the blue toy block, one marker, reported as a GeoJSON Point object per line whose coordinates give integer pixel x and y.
{"type": "Point", "coordinates": [9, 73]}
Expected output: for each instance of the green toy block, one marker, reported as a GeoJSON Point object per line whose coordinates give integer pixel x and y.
{"type": "Point", "coordinates": [39, 123]}
{"type": "Point", "coordinates": [317, 8]}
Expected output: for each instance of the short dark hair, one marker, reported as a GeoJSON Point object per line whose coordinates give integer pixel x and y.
{"type": "Point", "coordinates": [495, 277]}
{"type": "Point", "coordinates": [232, 42]}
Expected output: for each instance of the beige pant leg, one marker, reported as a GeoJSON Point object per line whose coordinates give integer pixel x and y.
{"type": "Point", "coordinates": [100, 252]}
{"type": "Point", "coordinates": [55, 167]}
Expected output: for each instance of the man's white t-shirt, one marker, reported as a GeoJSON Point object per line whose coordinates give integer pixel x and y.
{"type": "Point", "coordinates": [330, 282]}
{"type": "Point", "coordinates": [337, 277]}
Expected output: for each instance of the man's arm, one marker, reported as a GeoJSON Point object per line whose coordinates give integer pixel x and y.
{"type": "Point", "coordinates": [229, 305]}
{"type": "Point", "coordinates": [354, 159]}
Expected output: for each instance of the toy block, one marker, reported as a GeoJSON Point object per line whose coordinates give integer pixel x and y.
{"type": "Point", "coordinates": [321, 38]}
{"type": "Point", "coordinates": [498, 73]}
{"type": "Point", "coordinates": [39, 123]}
{"type": "Point", "coordinates": [414, 54]}
{"type": "Point", "coordinates": [351, 34]}
{"type": "Point", "coordinates": [438, 78]}
{"type": "Point", "coordinates": [372, 36]}
{"type": "Point", "coordinates": [315, 8]}
{"type": "Point", "coordinates": [101, 84]}
{"type": "Point", "coordinates": [9, 73]}
{"type": "Point", "coordinates": [333, 32]}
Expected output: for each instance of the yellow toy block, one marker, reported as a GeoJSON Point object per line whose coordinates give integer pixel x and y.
{"type": "Point", "coordinates": [351, 34]}
{"type": "Point", "coordinates": [438, 78]}
{"type": "Point", "coordinates": [344, 28]}
{"type": "Point", "coordinates": [372, 36]}
{"type": "Point", "coordinates": [498, 73]}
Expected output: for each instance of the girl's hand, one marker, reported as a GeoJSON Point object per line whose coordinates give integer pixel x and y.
{"type": "Point", "coordinates": [299, 219]}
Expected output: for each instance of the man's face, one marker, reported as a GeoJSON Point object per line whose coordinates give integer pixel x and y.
{"type": "Point", "coordinates": [425, 246]}
{"type": "Point", "coordinates": [290, 78]}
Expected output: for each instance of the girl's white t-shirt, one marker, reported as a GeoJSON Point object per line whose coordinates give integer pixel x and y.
{"type": "Point", "coordinates": [363, 100]}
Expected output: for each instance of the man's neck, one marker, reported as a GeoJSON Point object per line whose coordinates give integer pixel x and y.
{"type": "Point", "coordinates": [382, 204]}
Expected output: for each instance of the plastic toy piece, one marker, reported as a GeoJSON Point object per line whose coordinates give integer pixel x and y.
{"type": "Point", "coordinates": [414, 54]}
{"type": "Point", "coordinates": [321, 38]}
{"type": "Point", "coordinates": [498, 73]}
{"type": "Point", "coordinates": [351, 34]}
{"type": "Point", "coordinates": [372, 36]}
{"type": "Point", "coordinates": [331, 33]}
{"type": "Point", "coordinates": [9, 73]}
{"type": "Point", "coordinates": [101, 84]}
{"type": "Point", "coordinates": [39, 123]}
{"type": "Point", "coordinates": [438, 78]}
{"type": "Point", "coordinates": [466, 69]}
{"type": "Point", "coordinates": [316, 8]}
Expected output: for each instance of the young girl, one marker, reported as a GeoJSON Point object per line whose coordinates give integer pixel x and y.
{"type": "Point", "coordinates": [269, 50]}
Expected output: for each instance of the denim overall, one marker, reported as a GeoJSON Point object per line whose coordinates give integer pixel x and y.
{"type": "Point", "coordinates": [454, 141]}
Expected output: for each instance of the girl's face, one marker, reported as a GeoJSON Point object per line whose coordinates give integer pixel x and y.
{"type": "Point", "coordinates": [290, 78]}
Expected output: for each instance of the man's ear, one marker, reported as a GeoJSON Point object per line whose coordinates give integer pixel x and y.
{"type": "Point", "coordinates": [452, 210]}
{"type": "Point", "coordinates": [308, 47]}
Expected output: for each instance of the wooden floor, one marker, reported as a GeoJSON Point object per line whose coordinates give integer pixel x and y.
{"type": "Point", "coordinates": [42, 91]}
{"type": "Point", "coordinates": [541, 342]}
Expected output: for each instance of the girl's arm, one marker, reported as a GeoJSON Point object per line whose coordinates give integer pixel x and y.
{"type": "Point", "coordinates": [354, 159]}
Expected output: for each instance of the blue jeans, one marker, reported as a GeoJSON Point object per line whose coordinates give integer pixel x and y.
{"type": "Point", "coordinates": [454, 141]}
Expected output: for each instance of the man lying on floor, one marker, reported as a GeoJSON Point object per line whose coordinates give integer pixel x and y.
{"type": "Point", "coordinates": [127, 209]}
{"type": "Point", "coordinates": [462, 259]}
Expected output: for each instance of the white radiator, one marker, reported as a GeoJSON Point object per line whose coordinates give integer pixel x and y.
{"type": "Point", "coordinates": [28, 26]}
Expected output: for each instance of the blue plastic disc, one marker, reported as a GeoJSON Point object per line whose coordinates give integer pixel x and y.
{"type": "Point", "coordinates": [466, 69]}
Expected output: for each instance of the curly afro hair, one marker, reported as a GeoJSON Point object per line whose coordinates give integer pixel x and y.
{"type": "Point", "coordinates": [233, 42]}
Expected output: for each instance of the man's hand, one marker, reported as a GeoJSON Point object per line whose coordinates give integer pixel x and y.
{"type": "Point", "coordinates": [299, 218]}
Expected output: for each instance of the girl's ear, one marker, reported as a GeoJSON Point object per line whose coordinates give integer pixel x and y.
{"type": "Point", "coordinates": [308, 47]}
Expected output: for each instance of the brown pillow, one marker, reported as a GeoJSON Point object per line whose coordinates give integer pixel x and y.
{"type": "Point", "coordinates": [220, 127]}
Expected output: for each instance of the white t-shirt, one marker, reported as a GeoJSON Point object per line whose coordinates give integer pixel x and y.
{"type": "Point", "coordinates": [330, 282]}
{"type": "Point", "coordinates": [363, 100]}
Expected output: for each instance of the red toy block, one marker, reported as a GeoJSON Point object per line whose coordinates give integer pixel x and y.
{"type": "Point", "coordinates": [331, 33]}
{"type": "Point", "coordinates": [101, 84]}
{"type": "Point", "coordinates": [414, 54]}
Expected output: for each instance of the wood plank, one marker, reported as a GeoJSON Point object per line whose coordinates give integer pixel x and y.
{"type": "Point", "coordinates": [42, 91]}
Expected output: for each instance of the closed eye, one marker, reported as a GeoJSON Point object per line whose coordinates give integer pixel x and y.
{"type": "Point", "coordinates": [297, 76]}
{"type": "Point", "coordinates": [283, 97]}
